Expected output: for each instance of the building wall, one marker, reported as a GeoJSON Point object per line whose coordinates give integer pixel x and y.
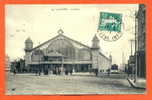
{"type": "Point", "coordinates": [95, 56]}
{"type": "Point", "coordinates": [64, 47]}
{"type": "Point", "coordinates": [8, 63]}
{"type": "Point", "coordinates": [72, 50]}
{"type": "Point", "coordinates": [27, 58]}
{"type": "Point", "coordinates": [141, 28]}
{"type": "Point", "coordinates": [141, 33]}
{"type": "Point", "coordinates": [100, 62]}
{"type": "Point", "coordinates": [83, 54]}
{"type": "Point", "coordinates": [104, 63]}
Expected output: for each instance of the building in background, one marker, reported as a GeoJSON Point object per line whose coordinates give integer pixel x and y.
{"type": "Point", "coordinates": [64, 53]}
{"type": "Point", "coordinates": [140, 41]}
{"type": "Point", "coordinates": [8, 63]}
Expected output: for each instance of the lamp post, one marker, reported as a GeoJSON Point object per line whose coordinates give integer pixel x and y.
{"type": "Point", "coordinates": [136, 28]}
{"type": "Point", "coordinates": [39, 60]}
{"type": "Point", "coordinates": [132, 64]}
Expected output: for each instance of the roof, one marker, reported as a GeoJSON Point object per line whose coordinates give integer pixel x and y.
{"type": "Point", "coordinates": [58, 54]}
{"type": "Point", "coordinates": [104, 56]}
{"type": "Point", "coordinates": [64, 37]}
{"type": "Point", "coordinates": [95, 38]}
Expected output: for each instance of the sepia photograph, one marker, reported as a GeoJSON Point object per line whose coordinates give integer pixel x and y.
{"type": "Point", "coordinates": [75, 49]}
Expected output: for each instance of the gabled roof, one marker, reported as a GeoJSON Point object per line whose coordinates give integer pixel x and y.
{"type": "Point", "coordinates": [65, 38]}
{"type": "Point", "coordinates": [61, 35]}
{"type": "Point", "coordinates": [45, 42]}
{"type": "Point", "coordinates": [76, 41]}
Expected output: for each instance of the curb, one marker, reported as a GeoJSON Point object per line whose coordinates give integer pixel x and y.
{"type": "Point", "coordinates": [133, 85]}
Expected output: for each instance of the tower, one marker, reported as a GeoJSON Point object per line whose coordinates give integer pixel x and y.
{"type": "Point", "coordinates": [95, 42]}
{"type": "Point", "coordinates": [28, 49]}
{"type": "Point", "coordinates": [28, 45]}
{"type": "Point", "coordinates": [95, 52]}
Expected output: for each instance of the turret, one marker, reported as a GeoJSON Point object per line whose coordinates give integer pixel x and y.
{"type": "Point", "coordinates": [95, 42]}
{"type": "Point", "coordinates": [28, 45]}
{"type": "Point", "coordinates": [95, 53]}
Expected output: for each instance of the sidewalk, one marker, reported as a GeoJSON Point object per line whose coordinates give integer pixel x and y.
{"type": "Point", "coordinates": [139, 84]}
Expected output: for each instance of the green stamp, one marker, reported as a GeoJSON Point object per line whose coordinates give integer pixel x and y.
{"type": "Point", "coordinates": [110, 22]}
{"type": "Point", "coordinates": [110, 26]}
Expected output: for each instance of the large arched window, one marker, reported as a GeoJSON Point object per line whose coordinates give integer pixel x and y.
{"type": "Point", "coordinates": [84, 54]}
{"type": "Point", "coordinates": [37, 55]}
{"type": "Point", "coordinates": [63, 47]}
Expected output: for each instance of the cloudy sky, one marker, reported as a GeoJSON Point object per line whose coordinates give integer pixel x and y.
{"type": "Point", "coordinates": [79, 22]}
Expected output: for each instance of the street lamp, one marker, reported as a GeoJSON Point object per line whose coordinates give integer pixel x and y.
{"type": "Point", "coordinates": [136, 28]}
{"type": "Point", "coordinates": [132, 59]}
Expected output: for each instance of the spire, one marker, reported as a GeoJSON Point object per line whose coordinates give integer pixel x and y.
{"type": "Point", "coordinates": [95, 42]}
{"type": "Point", "coordinates": [95, 38]}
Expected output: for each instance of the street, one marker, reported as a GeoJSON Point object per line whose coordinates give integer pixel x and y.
{"type": "Point", "coordinates": [78, 83]}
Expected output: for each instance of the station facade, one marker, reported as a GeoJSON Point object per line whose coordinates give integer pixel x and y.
{"type": "Point", "coordinates": [64, 53]}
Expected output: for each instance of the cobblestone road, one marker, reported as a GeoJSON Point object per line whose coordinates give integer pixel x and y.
{"type": "Point", "coordinates": [75, 84]}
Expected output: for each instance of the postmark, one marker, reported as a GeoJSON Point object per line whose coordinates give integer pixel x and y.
{"type": "Point", "coordinates": [110, 26]}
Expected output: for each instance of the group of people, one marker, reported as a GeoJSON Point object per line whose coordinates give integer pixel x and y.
{"type": "Point", "coordinates": [55, 71]}
{"type": "Point", "coordinates": [58, 70]}
{"type": "Point", "coordinates": [38, 72]}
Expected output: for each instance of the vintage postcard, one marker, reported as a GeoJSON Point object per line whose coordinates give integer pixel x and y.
{"type": "Point", "coordinates": [75, 50]}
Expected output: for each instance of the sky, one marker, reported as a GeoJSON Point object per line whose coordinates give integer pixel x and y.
{"type": "Point", "coordinates": [79, 22]}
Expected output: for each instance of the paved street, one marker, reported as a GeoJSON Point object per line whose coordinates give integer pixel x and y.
{"type": "Point", "coordinates": [82, 83]}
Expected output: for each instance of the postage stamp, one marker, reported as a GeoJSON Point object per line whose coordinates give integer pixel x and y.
{"type": "Point", "coordinates": [110, 22]}
{"type": "Point", "coordinates": [110, 25]}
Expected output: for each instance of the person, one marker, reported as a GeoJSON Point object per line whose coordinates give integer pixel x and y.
{"type": "Point", "coordinates": [56, 70]}
{"type": "Point", "coordinates": [14, 71]}
{"type": "Point", "coordinates": [59, 70]}
{"type": "Point", "coordinates": [36, 72]}
{"type": "Point", "coordinates": [71, 71]}
{"type": "Point", "coordinates": [66, 72]}
{"type": "Point", "coordinates": [96, 72]}
{"type": "Point", "coordinates": [108, 72]}
{"type": "Point", "coordinates": [129, 71]}
{"type": "Point", "coordinates": [39, 72]}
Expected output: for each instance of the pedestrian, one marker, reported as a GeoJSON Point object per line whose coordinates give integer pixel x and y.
{"type": "Point", "coordinates": [36, 72]}
{"type": "Point", "coordinates": [59, 70]}
{"type": "Point", "coordinates": [71, 71]}
{"type": "Point", "coordinates": [56, 70]}
{"type": "Point", "coordinates": [39, 72]}
{"type": "Point", "coordinates": [108, 72]}
{"type": "Point", "coordinates": [14, 72]}
{"type": "Point", "coordinates": [66, 72]}
{"type": "Point", "coordinates": [96, 72]}
{"type": "Point", "coordinates": [129, 71]}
